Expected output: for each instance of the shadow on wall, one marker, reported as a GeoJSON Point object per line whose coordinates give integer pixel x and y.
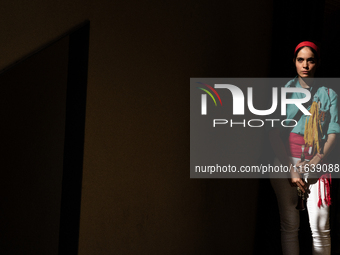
{"type": "Point", "coordinates": [43, 118]}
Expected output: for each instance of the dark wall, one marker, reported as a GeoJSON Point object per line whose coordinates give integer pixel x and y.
{"type": "Point", "coordinates": [137, 197]}
{"type": "Point", "coordinates": [33, 101]}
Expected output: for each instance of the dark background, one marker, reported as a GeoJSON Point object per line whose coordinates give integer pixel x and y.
{"type": "Point", "coordinates": [33, 106]}
{"type": "Point", "coordinates": [137, 197]}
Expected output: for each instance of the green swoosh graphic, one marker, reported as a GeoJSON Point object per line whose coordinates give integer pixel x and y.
{"type": "Point", "coordinates": [209, 94]}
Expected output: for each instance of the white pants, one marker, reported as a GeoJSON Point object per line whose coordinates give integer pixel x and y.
{"type": "Point", "coordinates": [289, 216]}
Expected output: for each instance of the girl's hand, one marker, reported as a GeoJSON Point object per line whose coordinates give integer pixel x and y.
{"type": "Point", "coordinates": [306, 166]}
{"type": "Point", "coordinates": [296, 180]}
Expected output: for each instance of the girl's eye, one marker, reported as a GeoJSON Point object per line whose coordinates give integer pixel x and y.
{"type": "Point", "coordinates": [300, 60]}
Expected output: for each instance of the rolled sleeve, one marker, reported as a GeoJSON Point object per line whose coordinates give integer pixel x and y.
{"type": "Point", "coordinates": [333, 127]}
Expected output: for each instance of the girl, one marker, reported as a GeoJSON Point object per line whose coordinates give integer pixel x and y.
{"type": "Point", "coordinates": [317, 133]}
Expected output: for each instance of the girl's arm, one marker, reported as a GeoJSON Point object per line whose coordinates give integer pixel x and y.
{"type": "Point", "coordinates": [328, 147]}
{"type": "Point", "coordinates": [280, 152]}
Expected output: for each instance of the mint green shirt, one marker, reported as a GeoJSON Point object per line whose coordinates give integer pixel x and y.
{"type": "Point", "coordinates": [329, 105]}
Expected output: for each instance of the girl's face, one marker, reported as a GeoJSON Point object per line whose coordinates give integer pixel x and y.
{"type": "Point", "coordinates": [305, 63]}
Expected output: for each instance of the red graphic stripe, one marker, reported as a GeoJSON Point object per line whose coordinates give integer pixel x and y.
{"type": "Point", "coordinates": [213, 91]}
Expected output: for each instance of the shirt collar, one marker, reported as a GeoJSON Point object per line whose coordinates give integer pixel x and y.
{"type": "Point", "coordinates": [298, 85]}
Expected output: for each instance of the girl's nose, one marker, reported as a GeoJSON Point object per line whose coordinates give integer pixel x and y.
{"type": "Point", "coordinates": [305, 64]}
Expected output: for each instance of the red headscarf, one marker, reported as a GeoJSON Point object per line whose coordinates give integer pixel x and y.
{"type": "Point", "coordinates": [309, 44]}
